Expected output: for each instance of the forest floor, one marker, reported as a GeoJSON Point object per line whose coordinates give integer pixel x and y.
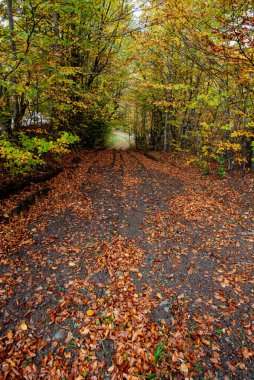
{"type": "Point", "coordinates": [129, 268]}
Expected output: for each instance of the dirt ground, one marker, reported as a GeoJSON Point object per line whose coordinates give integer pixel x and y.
{"type": "Point", "coordinates": [129, 268]}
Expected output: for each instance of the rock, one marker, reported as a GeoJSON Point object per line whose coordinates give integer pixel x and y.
{"type": "Point", "coordinates": [60, 334]}
{"type": "Point", "coordinates": [164, 303]}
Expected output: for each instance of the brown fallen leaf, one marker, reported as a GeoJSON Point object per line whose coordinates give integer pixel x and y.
{"type": "Point", "coordinates": [241, 366]}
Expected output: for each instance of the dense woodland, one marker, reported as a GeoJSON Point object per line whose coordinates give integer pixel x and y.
{"type": "Point", "coordinates": [177, 75]}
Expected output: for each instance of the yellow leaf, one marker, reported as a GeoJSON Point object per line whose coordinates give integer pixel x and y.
{"type": "Point", "coordinates": [111, 369]}
{"type": "Point", "coordinates": [184, 369]}
{"type": "Point", "coordinates": [84, 331]}
{"type": "Point", "coordinates": [90, 313]}
{"type": "Point", "coordinates": [72, 264]}
{"type": "Point", "coordinates": [23, 326]}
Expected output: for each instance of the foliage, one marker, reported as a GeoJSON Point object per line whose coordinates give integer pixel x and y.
{"type": "Point", "coordinates": [24, 153]}
{"type": "Point", "coordinates": [179, 74]}
{"type": "Point", "coordinates": [59, 60]}
{"type": "Point", "coordinates": [192, 81]}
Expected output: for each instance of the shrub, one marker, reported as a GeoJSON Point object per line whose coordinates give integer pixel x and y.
{"type": "Point", "coordinates": [25, 153]}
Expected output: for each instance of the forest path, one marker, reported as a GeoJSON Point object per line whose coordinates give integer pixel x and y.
{"type": "Point", "coordinates": [131, 267]}
{"type": "Point", "coordinates": [120, 140]}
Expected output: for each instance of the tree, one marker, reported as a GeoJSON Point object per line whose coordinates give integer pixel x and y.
{"type": "Point", "coordinates": [194, 71]}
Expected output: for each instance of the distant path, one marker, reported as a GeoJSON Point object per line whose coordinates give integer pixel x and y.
{"type": "Point", "coordinates": [130, 267]}
{"type": "Point", "coordinates": [122, 140]}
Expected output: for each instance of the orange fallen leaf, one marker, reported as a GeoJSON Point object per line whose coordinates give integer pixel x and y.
{"type": "Point", "coordinates": [246, 353]}
{"type": "Point", "coordinates": [215, 346]}
{"type": "Point", "coordinates": [90, 313]}
{"type": "Point", "coordinates": [184, 369]}
{"type": "Point", "coordinates": [241, 366]}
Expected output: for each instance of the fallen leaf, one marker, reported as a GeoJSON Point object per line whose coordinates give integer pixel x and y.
{"type": "Point", "coordinates": [84, 331]}
{"type": "Point", "coordinates": [90, 313]}
{"type": "Point", "coordinates": [111, 369]}
{"type": "Point", "coordinates": [23, 326]}
{"type": "Point", "coordinates": [184, 369]}
{"type": "Point", "coordinates": [241, 366]}
{"type": "Point", "coordinates": [246, 353]}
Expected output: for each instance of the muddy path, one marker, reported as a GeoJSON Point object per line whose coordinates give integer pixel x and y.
{"type": "Point", "coordinates": [130, 268]}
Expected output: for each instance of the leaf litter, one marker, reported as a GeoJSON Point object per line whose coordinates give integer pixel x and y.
{"type": "Point", "coordinates": [130, 268]}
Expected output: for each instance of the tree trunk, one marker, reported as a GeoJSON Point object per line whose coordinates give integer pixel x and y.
{"type": "Point", "coordinates": [19, 103]}
{"type": "Point", "coordinates": [166, 143]}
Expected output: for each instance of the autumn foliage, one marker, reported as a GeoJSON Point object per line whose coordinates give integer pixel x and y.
{"type": "Point", "coordinates": [179, 76]}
